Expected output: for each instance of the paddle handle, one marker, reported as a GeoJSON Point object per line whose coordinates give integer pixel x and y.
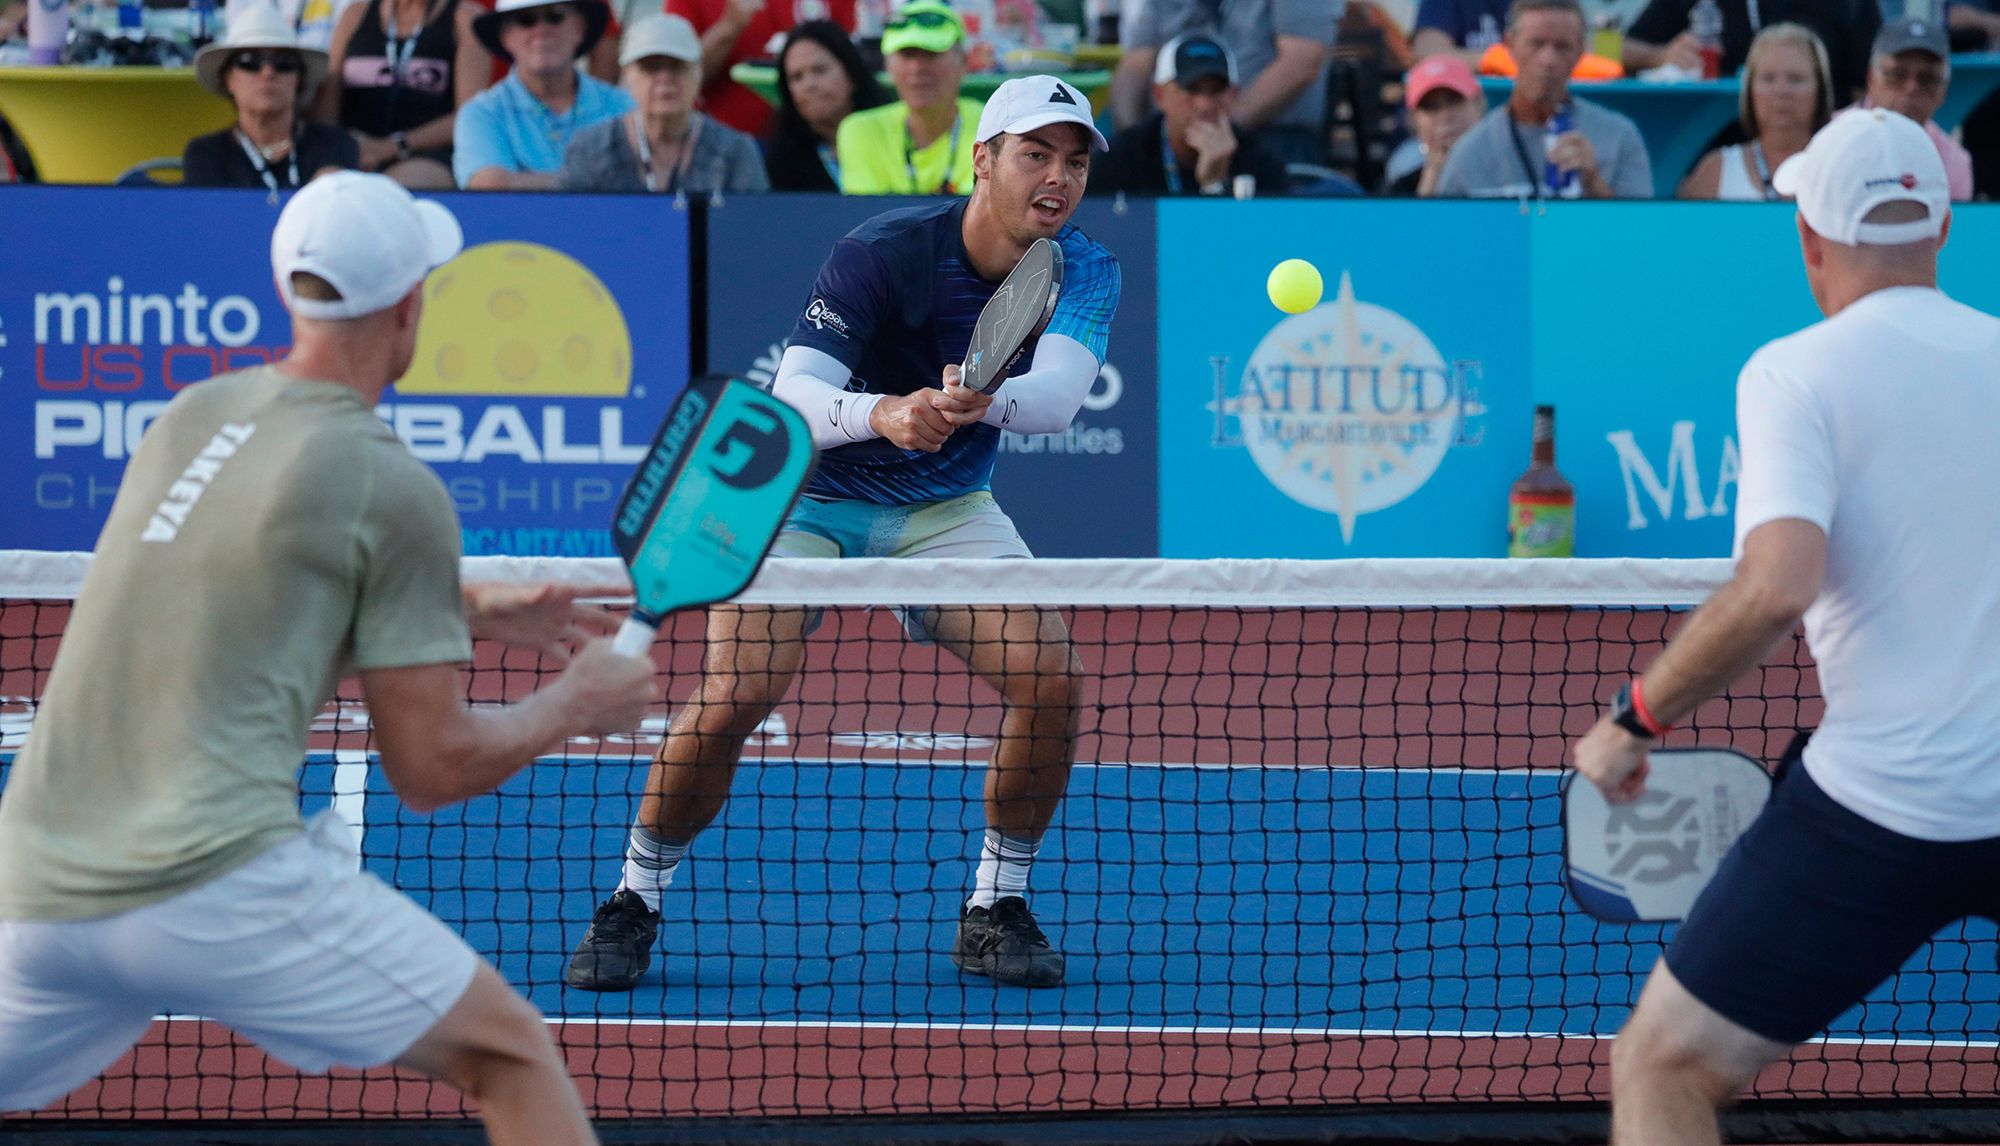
{"type": "Point", "coordinates": [634, 637]}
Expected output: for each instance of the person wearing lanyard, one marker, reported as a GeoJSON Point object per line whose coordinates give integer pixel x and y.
{"type": "Point", "coordinates": [399, 71]}
{"type": "Point", "coordinates": [1189, 144]}
{"type": "Point", "coordinates": [1660, 34]}
{"type": "Point", "coordinates": [261, 69]}
{"type": "Point", "coordinates": [664, 145]}
{"type": "Point", "coordinates": [1787, 96]}
{"type": "Point", "coordinates": [821, 81]}
{"type": "Point", "coordinates": [922, 143]}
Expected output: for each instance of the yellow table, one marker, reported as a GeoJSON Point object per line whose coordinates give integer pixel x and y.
{"type": "Point", "coordinates": [763, 79]}
{"type": "Point", "coordinates": [88, 125]}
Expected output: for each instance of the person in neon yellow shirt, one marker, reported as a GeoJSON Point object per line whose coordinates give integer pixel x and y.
{"type": "Point", "coordinates": [922, 143]}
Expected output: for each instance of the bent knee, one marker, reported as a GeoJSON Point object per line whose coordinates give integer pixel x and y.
{"type": "Point", "coordinates": [1056, 687]}
{"type": "Point", "coordinates": [1647, 1056]}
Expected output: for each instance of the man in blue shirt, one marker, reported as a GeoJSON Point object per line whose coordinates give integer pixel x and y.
{"type": "Point", "coordinates": [905, 470]}
{"type": "Point", "coordinates": [513, 135]}
{"type": "Point", "coordinates": [1464, 27]}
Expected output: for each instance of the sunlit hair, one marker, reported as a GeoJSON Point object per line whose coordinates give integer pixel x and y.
{"type": "Point", "coordinates": [1802, 36]}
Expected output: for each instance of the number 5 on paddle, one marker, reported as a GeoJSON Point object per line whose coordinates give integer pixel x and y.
{"type": "Point", "coordinates": [1647, 861]}
{"type": "Point", "coordinates": [704, 506]}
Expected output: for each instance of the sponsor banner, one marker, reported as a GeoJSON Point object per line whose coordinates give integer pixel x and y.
{"type": "Point", "coordinates": [1387, 421]}
{"type": "Point", "coordinates": [549, 350]}
{"type": "Point", "coordinates": [1087, 492]}
{"type": "Point", "coordinates": [1640, 353]}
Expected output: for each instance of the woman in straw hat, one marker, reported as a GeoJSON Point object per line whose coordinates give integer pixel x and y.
{"type": "Point", "coordinates": [260, 68]}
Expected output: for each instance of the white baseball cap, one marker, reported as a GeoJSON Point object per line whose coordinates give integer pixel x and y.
{"type": "Point", "coordinates": [366, 236]}
{"type": "Point", "coordinates": [660, 35]}
{"type": "Point", "coordinates": [1028, 102]}
{"type": "Point", "coordinates": [1863, 159]}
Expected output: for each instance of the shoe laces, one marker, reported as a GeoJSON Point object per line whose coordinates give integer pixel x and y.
{"type": "Point", "coordinates": [620, 919]}
{"type": "Point", "coordinates": [1012, 916]}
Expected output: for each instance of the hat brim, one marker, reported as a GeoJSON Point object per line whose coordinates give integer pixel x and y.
{"type": "Point", "coordinates": [1785, 180]}
{"type": "Point", "coordinates": [939, 39]}
{"type": "Point", "coordinates": [596, 18]}
{"type": "Point", "coordinates": [1029, 123]}
{"type": "Point", "coordinates": [210, 62]}
{"type": "Point", "coordinates": [443, 237]}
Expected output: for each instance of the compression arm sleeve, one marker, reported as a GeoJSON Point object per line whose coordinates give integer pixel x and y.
{"type": "Point", "coordinates": [814, 383]}
{"type": "Point", "coordinates": [1045, 399]}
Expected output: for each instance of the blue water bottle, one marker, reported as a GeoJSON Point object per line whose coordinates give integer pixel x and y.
{"type": "Point", "coordinates": [1559, 184]}
{"type": "Point", "coordinates": [201, 22]}
{"type": "Point", "coordinates": [132, 19]}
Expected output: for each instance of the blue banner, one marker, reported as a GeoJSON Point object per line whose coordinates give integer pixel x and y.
{"type": "Point", "coordinates": [550, 348]}
{"type": "Point", "coordinates": [1386, 421]}
{"type": "Point", "coordinates": [1087, 492]}
{"type": "Point", "coordinates": [1643, 317]}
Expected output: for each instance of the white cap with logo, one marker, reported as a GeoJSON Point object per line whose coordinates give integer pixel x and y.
{"type": "Point", "coordinates": [366, 236]}
{"type": "Point", "coordinates": [1863, 159]}
{"type": "Point", "coordinates": [1028, 102]}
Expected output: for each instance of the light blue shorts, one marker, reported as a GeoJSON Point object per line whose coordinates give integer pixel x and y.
{"type": "Point", "coordinates": [970, 525]}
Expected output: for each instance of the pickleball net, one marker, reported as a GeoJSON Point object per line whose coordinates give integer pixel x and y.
{"type": "Point", "coordinates": [1307, 876]}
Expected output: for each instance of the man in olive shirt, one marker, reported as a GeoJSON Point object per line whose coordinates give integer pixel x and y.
{"type": "Point", "coordinates": [272, 535]}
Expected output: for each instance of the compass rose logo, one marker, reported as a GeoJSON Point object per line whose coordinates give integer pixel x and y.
{"type": "Point", "coordinates": [1348, 408]}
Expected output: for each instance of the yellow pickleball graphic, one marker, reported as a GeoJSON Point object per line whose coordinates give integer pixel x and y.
{"type": "Point", "coordinates": [519, 319]}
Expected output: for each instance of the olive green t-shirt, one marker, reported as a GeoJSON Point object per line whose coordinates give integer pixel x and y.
{"type": "Point", "coordinates": [270, 536]}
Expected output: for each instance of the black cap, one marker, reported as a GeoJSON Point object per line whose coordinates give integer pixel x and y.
{"type": "Point", "coordinates": [1913, 36]}
{"type": "Point", "coordinates": [1194, 56]}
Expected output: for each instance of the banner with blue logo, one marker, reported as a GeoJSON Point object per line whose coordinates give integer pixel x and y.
{"type": "Point", "coordinates": [1386, 421]}
{"type": "Point", "coordinates": [1088, 492]}
{"type": "Point", "coordinates": [550, 348]}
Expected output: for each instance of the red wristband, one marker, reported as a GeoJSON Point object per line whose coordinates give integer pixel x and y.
{"type": "Point", "coordinates": [1644, 714]}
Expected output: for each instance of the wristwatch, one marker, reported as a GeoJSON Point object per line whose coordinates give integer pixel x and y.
{"type": "Point", "coordinates": [402, 143]}
{"type": "Point", "coordinates": [1625, 716]}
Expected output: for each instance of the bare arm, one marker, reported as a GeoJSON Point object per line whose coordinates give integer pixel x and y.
{"type": "Point", "coordinates": [550, 619]}
{"type": "Point", "coordinates": [1782, 569]}
{"type": "Point", "coordinates": [1132, 86]}
{"type": "Point", "coordinates": [1295, 68]}
{"type": "Point", "coordinates": [471, 73]}
{"type": "Point", "coordinates": [1705, 180]}
{"type": "Point", "coordinates": [719, 41]}
{"type": "Point", "coordinates": [437, 751]}
{"type": "Point", "coordinates": [1964, 16]}
{"type": "Point", "coordinates": [501, 179]}
{"type": "Point", "coordinates": [1430, 42]}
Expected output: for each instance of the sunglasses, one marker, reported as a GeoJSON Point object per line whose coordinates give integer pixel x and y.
{"type": "Point", "coordinates": [551, 14]}
{"type": "Point", "coordinates": [284, 63]}
{"type": "Point", "coordinates": [1925, 79]}
{"type": "Point", "coordinates": [922, 20]}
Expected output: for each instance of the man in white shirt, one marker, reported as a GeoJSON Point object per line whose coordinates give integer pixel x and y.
{"type": "Point", "coordinates": [1863, 510]}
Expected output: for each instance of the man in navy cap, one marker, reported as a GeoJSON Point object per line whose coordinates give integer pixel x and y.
{"type": "Point", "coordinates": [1188, 145]}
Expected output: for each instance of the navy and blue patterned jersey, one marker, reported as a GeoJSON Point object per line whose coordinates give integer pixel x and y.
{"type": "Point", "coordinates": [896, 303]}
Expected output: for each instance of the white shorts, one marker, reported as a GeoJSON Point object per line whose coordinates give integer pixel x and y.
{"type": "Point", "coordinates": [312, 959]}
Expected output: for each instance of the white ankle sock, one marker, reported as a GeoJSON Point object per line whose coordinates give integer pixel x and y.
{"type": "Point", "coordinates": [650, 863]}
{"type": "Point", "coordinates": [1003, 868]}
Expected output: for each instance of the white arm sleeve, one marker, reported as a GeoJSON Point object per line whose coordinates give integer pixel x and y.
{"type": "Point", "coordinates": [1047, 397]}
{"type": "Point", "coordinates": [814, 383]}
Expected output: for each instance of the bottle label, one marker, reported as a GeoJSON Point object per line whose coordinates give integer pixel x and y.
{"type": "Point", "coordinates": [1540, 526]}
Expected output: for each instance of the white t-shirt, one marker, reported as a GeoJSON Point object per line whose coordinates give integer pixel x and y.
{"type": "Point", "coordinates": [1878, 425]}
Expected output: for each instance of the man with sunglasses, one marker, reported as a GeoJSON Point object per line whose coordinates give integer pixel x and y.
{"type": "Point", "coordinates": [905, 470]}
{"type": "Point", "coordinates": [513, 135]}
{"type": "Point", "coordinates": [1909, 73]}
{"type": "Point", "coordinates": [260, 68]}
{"type": "Point", "coordinates": [922, 143]}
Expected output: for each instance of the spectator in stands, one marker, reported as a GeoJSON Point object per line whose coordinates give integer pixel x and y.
{"type": "Point", "coordinates": [1660, 35]}
{"type": "Point", "coordinates": [1503, 156]}
{"type": "Point", "coordinates": [733, 31]}
{"type": "Point", "coordinates": [1189, 146]}
{"type": "Point", "coordinates": [1444, 101]}
{"type": "Point", "coordinates": [401, 69]}
{"type": "Point", "coordinates": [664, 144]}
{"type": "Point", "coordinates": [1909, 73]}
{"type": "Point", "coordinates": [1464, 28]}
{"type": "Point", "coordinates": [821, 80]}
{"type": "Point", "coordinates": [1787, 96]}
{"type": "Point", "coordinates": [1975, 24]}
{"type": "Point", "coordinates": [922, 143]}
{"type": "Point", "coordinates": [513, 135]}
{"type": "Point", "coordinates": [1282, 48]}
{"type": "Point", "coordinates": [260, 68]}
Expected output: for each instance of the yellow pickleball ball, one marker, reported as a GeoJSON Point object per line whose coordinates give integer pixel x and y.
{"type": "Point", "coordinates": [1294, 286]}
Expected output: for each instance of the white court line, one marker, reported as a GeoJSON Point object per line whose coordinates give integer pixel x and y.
{"type": "Point", "coordinates": [350, 791]}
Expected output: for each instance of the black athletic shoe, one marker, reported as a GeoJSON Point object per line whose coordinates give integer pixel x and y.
{"type": "Point", "coordinates": [1004, 944]}
{"type": "Point", "coordinates": [619, 946]}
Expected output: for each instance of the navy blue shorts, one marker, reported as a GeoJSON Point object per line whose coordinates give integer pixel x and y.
{"type": "Point", "coordinates": [1815, 906]}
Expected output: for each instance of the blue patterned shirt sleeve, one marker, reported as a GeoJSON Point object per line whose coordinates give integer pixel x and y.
{"type": "Point", "coordinates": [1089, 293]}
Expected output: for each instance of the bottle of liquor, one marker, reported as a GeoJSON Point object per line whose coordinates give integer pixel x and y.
{"type": "Point", "coordinates": [1541, 508]}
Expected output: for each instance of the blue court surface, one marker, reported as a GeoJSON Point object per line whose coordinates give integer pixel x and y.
{"type": "Point", "coordinates": [1224, 899]}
